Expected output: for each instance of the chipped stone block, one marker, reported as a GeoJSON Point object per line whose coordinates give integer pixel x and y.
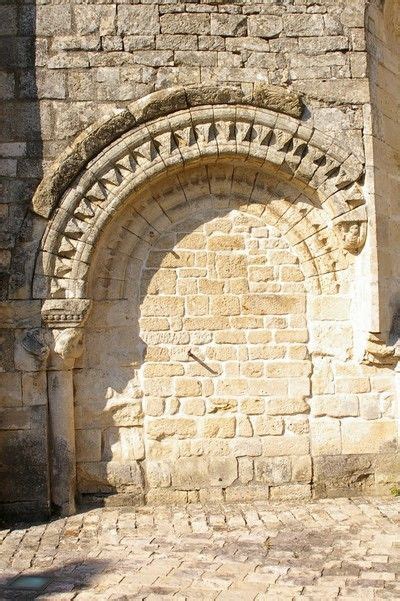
{"type": "Point", "coordinates": [264, 26]}
{"type": "Point", "coordinates": [272, 471]}
{"type": "Point", "coordinates": [228, 25]}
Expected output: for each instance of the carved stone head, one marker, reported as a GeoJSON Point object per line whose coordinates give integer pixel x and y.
{"type": "Point", "coordinates": [352, 235]}
{"type": "Point", "coordinates": [69, 343]}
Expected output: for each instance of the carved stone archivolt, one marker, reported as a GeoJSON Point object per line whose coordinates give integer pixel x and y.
{"type": "Point", "coordinates": [273, 145]}
{"type": "Point", "coordinates": [104, 132]}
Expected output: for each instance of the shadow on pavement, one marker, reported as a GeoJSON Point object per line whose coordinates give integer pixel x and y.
{"type": "Point", "coordinates": [43, 584]}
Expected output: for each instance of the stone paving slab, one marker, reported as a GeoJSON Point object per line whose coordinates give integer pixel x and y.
{"type": "Point", "coordinates": [327, 549]}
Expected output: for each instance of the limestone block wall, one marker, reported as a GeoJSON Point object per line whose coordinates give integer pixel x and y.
{"type": "Point", "coordinates": [64, 65]}
{"type": "Point", "coordinates": [215, 372]}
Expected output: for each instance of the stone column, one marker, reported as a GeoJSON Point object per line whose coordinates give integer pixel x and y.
{"type": "Point", "coordinates": [64, 320]}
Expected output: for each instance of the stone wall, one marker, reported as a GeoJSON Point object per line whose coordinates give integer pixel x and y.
{"type": "Point", "coordinates": [382, 146]}
{"type": "Point", "coordinates": [67, 64]}
{"type": "Point", "coordinates": [223, 374]}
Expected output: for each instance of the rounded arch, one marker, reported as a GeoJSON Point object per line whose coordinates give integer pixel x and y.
{"type": "Point", "coordinates": [299, 177]}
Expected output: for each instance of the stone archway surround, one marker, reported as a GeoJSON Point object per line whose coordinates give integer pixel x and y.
{"type": "Point", "coordinates": [316, 200]}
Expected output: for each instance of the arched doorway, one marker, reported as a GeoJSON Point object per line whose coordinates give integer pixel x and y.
{"type": "Point", "coordinates": [201, 240]}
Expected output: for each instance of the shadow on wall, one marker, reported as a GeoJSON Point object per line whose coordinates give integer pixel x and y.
{"type": "Point", "coordinates": [23, 447]}
{"type": "Point", "coordinates": [21, 131]}
{"type": "Point", "coordinates": [109, 381]}
{"type": "Point", "coordinates": [73, 576]}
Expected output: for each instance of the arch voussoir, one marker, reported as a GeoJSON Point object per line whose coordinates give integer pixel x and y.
{"type": "Point", "coordinates": [316, 184]}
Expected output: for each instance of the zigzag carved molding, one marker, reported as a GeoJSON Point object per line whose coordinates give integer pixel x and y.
{"type": "Point", "coordinates": [273, 143]}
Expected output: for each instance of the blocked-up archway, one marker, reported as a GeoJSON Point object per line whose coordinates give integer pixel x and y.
{"type": "Point", "coordinates": [206, 240]}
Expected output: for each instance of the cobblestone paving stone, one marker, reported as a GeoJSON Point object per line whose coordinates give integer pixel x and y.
{"type": "Point", "coordinates": [327, 549]}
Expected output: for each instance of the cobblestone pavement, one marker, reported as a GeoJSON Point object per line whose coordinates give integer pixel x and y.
{"type": "Point", "coordinates": [327, 549]}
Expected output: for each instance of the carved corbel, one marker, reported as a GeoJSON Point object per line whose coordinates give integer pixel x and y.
{"type": "Point", "coordinates": [65, 318]}
{"type": "Point", "coordinates": [352, 229]}
{"type": "Point", "coordinates": [378, 353]}
{"type": "Point", "coordinates": [68, 343]}
{"type": "Point", "coordinates": [65, 312]}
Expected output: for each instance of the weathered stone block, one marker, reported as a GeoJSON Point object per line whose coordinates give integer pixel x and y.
{"type": "Point", "coordinates": [190, 23]}
{"type": "Point", "coordinates": [286, 406]}
{"type": "Point", "coordinates": [140, 20]}
{"type": "Point", "coordinates": [246, 447]}
{"type": "Point", "coordinates": [252, 406]}
{"type": "Point", "coordinates": [288, 369]}
{"type": "Point", "coordinates": [223, 471]}
{"type": "Point", "coordinates": [228, 25]}
{"type": "Point", "coordinates": [194, 406]}
{"type": "Point", "coordinates": [288, 444]}
{"type": "Point", "coordinates": [152, 370]}
{"type": "Point", "coordinates": [335, 405]}
{"type": "Point", "coordinates": [158, 387]}
{"type": "Point", "coordinates": [360, 436]}
{"type": "Point", "coordinates": [123, 445]}
{"type": "Point", "coordinates": [325, 436]}
{"type": "Point", "coordinates": [166, 496]}
{"type": "Point", "coordinates": [264, 304]}
{"type": "Point", "coordinates": [158, 474]}
{"type": "Point", "coordinates": [187, 387]}
{"type": "Point", "coordinates": [265, 26]}
{"type": "Point", "coordinates": [219, 427]}
{"type": "Point", "coordinates": [162, 305]}
{"type": "Point", "coordinates": [330, 308]}
{"type": "Point", "coordinates": [88, 445]}
{"type": "Point", "coordinates": [7, 341]}
{"type": "Point", "coordinates": [231, 266]}
{"type": "Point", "coordinates": [160, 428]}
{"type": "Point", "coordinates": [370, 407]}
{"type": "Point", "coordinates": [301, 469]}
{"type": "Point", "coordinates": [225, 305]}
{"type": "Point", "coordinates": [15, 418]}
{"type": "Point", "coordinates": [53, 20]}
{"type": "Point", "coordinates": [34, 388]}
{"type": "Point", "coordinates": [10, 389]}
{"type": "Point", "coordinates": [190, 473]}
{"type": "Point", "coordinates": [303, 25]}
{"type": "Point", "coordinates": [248, 492]}
{"type": "Point", "coordinates": [294, 492]}
{"type": "Point", "coordinates": [98, 19]}
{"type": "Point", "coordinates": [272, 471]}
{"type": "Point", "coordinates": [341, 475]}
{"type": "Point", "coordinates": [109, 476]}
